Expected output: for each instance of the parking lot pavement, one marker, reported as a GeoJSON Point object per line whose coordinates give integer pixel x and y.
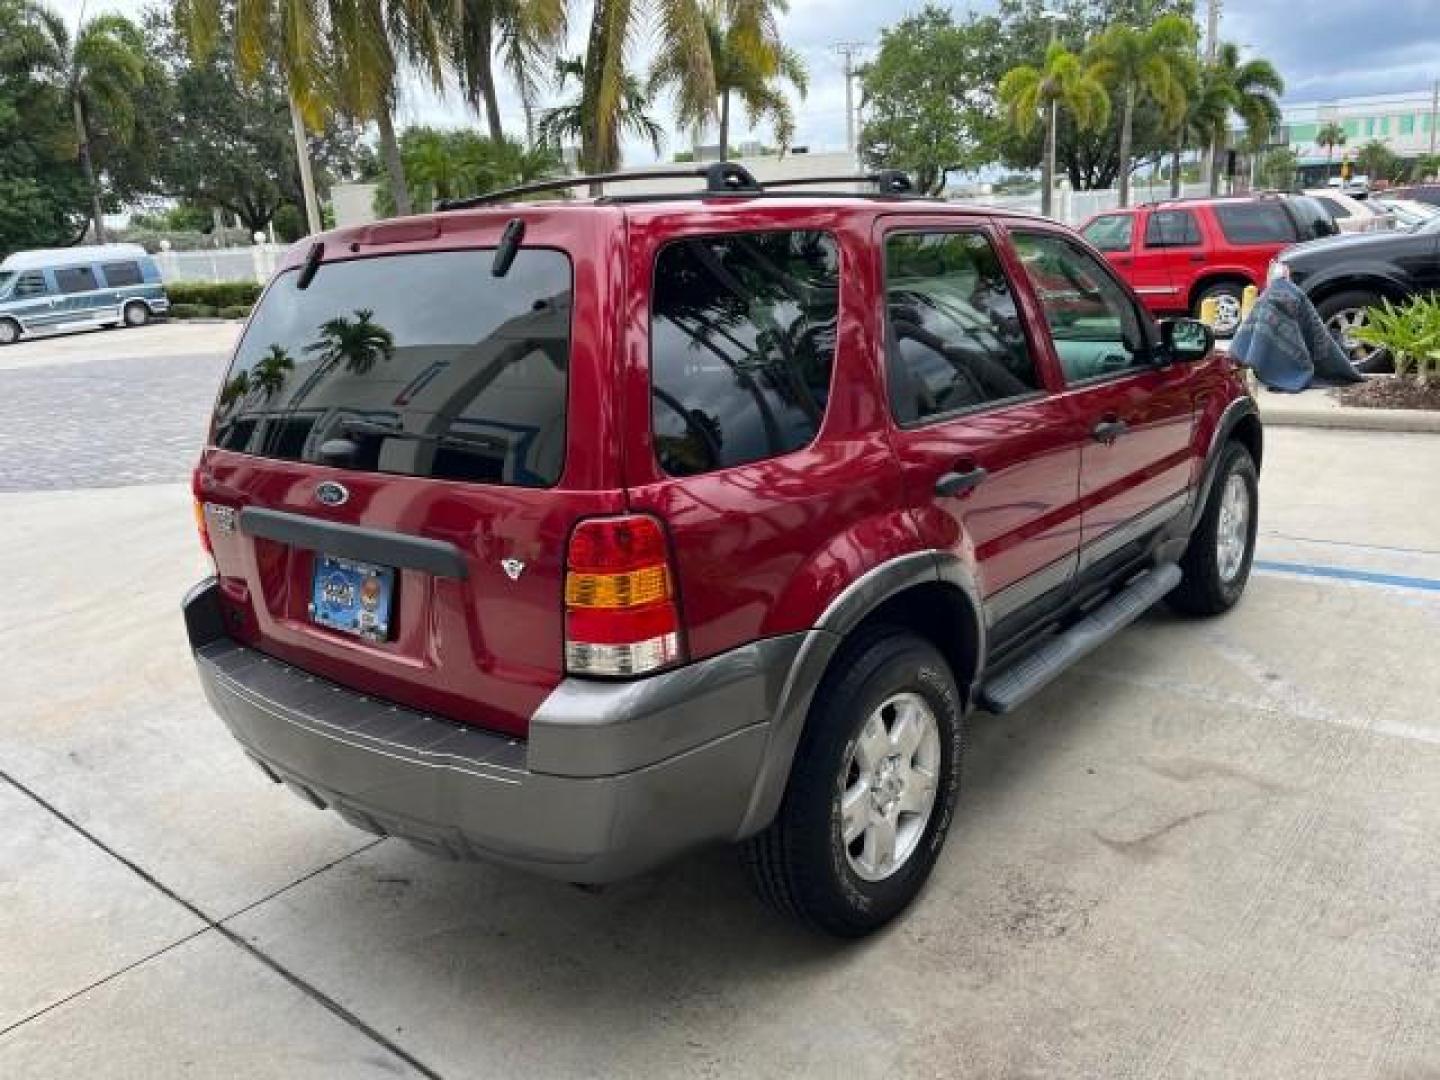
{"type": "Point", "coordinates": [1207, 851]}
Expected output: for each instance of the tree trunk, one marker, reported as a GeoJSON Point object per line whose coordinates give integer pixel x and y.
{"type": "Point", "coordinates": [1047, 170]}
{"type": "Point", "coordinates": [307, 178]}
{"type": "Point", "coordinates": [1175, 156]}
{"type": "Point", "coordinates": [1215, 165]}
{"type": "Point", "coordinates": [492, 104]}
{"type": "Point", "coordinates": [1127, 128]}
{"type": "Point", "coordinates": [394, 165]}
{"type": "Point", "coordinates": [724, 125]}
{"type": "Point", "coordinates": [82, 135]}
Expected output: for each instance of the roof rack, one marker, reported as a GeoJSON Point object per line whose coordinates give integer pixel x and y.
{"type": "Point", "coordinates": [721, 178]}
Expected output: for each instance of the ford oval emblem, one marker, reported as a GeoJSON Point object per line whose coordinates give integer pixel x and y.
{"type": "Point", "coordinates": [331, 493]}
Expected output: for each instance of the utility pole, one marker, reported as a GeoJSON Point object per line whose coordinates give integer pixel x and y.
{"type": "Point", "coordinates": [849, 50]}
{"type": "Point", "coordinates": [1212, 32]}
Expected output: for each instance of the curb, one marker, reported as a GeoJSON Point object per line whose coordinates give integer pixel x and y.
{"type": "Point", "coordinates": [1413, 421]}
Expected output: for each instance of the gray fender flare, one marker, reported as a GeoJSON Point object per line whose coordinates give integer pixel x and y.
{"type": "Point", "coordinates": [819, 647]}
{"type": "Point", "coordinates": [1230, 419]}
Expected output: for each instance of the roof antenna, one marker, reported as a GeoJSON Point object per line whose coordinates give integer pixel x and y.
{"type": "Point", "coordinates": [508, 248]}
{"type": "Point", "coordinates": [312, 264]}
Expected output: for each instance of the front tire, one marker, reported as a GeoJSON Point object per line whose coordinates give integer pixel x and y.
{"type": "Point", "coordinates": [1216, 564]}
{"type": "Point", "coordinates": [136, 314]}
{"type": "Point", "coordinates": [872, 788]}
{"type": "Point", "coordinates": [9, 331]}
{"type": "Point", "coordinates": [1345, 312]}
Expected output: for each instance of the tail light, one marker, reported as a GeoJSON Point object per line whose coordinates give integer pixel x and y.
{"type": "Point", "coordinates": [201, 526]}
{"type": "Point", "coordinates": [621, 615]}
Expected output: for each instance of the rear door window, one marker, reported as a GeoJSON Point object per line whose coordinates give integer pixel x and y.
{"type": "Point", "coordinates": [1172, 228]}
{"type": "Point", "coordinates": [742, 343]}
{"type": "Point", "coordinates": [1111, 232]}
{"type": "Point", "coordinates": [1256, 223]}
{"type": "Point", "coordinates": [421, 365]}
{"type": "Point", "coordinates": [120, 274]}
{"type": "Point", "coordinates": [954, 338]}
{"type": "Point", "coordinates": [74, 279]}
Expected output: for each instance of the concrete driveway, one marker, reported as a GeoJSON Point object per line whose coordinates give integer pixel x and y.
{"type": "Point", "coordinates": [1209, 851]}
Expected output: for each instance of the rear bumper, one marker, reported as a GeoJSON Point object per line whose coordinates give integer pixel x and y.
{"type": "Point", "coordinates": [615, 777]}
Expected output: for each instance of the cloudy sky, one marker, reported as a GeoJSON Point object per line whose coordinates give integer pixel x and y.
{"type": "Point", "coordinates": [1324, 49]}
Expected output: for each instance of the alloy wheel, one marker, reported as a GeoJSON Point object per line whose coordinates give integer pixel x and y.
{"type": "Point", "coordinates": [888, 786]}
{"type": "Point", "coordinates": [1342, 325]}
{"type": "Point", "coordinates": [1232, 530]}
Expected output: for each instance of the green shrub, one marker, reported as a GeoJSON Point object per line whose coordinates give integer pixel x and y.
{"type": "Point", "coordinates": [224, 294]}
{"type": "Point", "coordinates": [1410, 333]}
{"type": "Point", "coordinates": [193, 311]}
{"type": "Point", "coordinates": [235, 311]}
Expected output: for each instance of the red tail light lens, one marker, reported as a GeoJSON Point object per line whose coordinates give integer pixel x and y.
{"type": "Point", "coordinates": [621, 617]}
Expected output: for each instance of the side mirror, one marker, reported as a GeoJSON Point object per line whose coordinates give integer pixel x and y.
{"type": "Point", "coordinates": [1184, 340]}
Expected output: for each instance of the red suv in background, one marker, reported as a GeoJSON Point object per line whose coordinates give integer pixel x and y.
{"type": "Point", "coordinates": [1177, 254]}
{"type": "Point", "coordinates": [575, 535]}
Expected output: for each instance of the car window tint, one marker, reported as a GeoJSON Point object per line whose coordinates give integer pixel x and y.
{"type": "Point", "coordinates": [1111, 232]}
{"type": "Point", "coordinates": [1256, 223]}
{"type": "Point", "coordinates": [457, 375]}
{"type": "Point", "coordinates": [121, 274]}
{"type": "Point", "coordinates": [955, 340]}
{"type": "Point", "coordinates": [742, 343]}
{"type": "Point", "coordinates": [1172, 228]}
{"type": "Point", "coordinates": [31, 284]}
{"type": "Point", "coordinates": [1096, 328]}
{"type": "Point", "coordinates": [1335, 209]}
{"type": "Point", "coordinates": [75, 279]}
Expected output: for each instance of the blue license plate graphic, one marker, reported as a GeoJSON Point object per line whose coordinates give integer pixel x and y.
{"type": "Point", "coordinates": [353, 597]}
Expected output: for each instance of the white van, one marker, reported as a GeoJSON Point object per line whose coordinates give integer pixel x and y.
{"type": "Point", "coordinates": [78, 288]}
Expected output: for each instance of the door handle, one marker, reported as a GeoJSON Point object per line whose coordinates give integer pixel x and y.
{"type": "Point", "coordinates": [1197, 258]}
{"type": "Point", "coordinates": [1108, 430]}
{"type": "Point", "coordinates": [957, 483]}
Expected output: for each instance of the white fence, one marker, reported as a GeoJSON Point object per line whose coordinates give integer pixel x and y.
{"type": "Point", "coordinates": [1073, 207]}
{"type": "Point", "coordinates": [258, 263]}
{"type": "Point", "coordinates": [221, 264]}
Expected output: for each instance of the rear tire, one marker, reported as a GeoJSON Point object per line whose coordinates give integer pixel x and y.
{"type": "Point", "coordinates": [855, 774]}
{"type": "Point", "coordinates": [9, 331]}
{"type": "Point", "coordinates": [1230, 296]}
{"type": "Point", "coordinates": [136, 313]}
{"type": "Point", "coordinates": [1345, 310]}
{"type": "Point", "coordinates": [1216, 564]}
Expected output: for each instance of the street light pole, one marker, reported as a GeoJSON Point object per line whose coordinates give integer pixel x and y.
{"type": "Point", "coordinates": [849, 49]}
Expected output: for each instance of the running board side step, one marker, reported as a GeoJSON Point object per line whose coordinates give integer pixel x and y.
{"type": "Point", "coordinates": [1017, 684]}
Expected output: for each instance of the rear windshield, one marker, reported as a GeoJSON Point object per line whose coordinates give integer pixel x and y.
{"type": "Point", "coordinates": [422, 365]}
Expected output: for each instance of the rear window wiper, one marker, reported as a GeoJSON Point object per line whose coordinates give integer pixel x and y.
{"type": "Point", "coordinates": [371, 427]}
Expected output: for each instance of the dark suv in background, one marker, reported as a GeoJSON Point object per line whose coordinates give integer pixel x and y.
{"type": "Point", "coordinates": [1346, 276]}
{"type": "Point", "coordinates": [1179, 253]}
{"type": "Point", "coordinates": [574, 535]}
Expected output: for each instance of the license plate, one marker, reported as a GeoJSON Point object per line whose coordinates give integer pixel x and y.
{"type": "Point", "coordinates": [352, 597]}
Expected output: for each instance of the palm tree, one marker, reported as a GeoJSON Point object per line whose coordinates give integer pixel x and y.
{"type": "Point", "coordinates": [526, 35]}
{"type": "Point", "coordinates": [1330, 136]}
{"type": "Point", "coordinates": [101, 71]}
{"type": "Point", "coordinates": [1064, 81]}
{"type": "Point", "coordinates": [268, 375]}
{"type": "Point", "coordinates": [359, 342]}
{"type": "Point", "coordinates": [571, 122]}
{"type": "Point", "coordinates": [749, 61]}
{"type": "Point", "coordinates": [1147, 63]}
{"type": "Point", "coordinates": [291, 35]}
{"type": "Point", "coordinates": [607, 99]}
{"type": "Point", "coordinates": [1204, 109]}
{"type": "Point", "coordinates": [1248, 88]}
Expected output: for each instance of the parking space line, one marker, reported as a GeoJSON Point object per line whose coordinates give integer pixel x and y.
{"type": "Point", "coordinates": [1342, 573]}
{"type": "Point", "coordinates": [314, 993]}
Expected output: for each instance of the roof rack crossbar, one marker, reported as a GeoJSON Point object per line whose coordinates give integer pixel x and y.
{"type": "Point", "coordinates": [886, 181]}
{"type": "Point", "coordinates": [721, 178]}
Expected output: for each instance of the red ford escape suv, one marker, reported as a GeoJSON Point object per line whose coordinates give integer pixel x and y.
{"type": "Point", "coordinates": [574, 535]}
{"type": "Point", "coordinates": [1178, 254]}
